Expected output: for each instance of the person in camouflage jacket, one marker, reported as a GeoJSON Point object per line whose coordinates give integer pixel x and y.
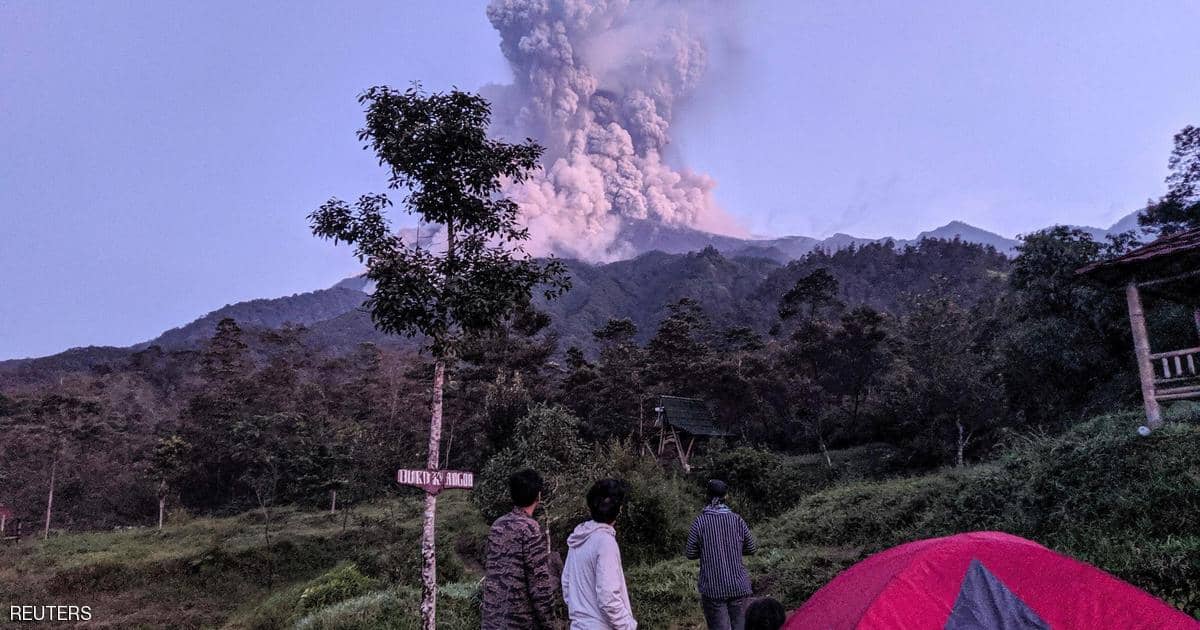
{"type": "Point", "coordinates": [520, 590]}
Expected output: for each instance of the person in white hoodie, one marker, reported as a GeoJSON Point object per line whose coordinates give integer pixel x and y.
{"type": "Point", "coordinates": [593, 582]}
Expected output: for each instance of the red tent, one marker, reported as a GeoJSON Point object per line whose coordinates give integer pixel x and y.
{"type": "Point", "coordinates": [981, 580]}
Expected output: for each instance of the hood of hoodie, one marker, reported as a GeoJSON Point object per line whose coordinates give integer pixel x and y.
{"type": "Point", "coordinates": [584, 531]}
{"type": "Point", "coordinates": [716, 508]}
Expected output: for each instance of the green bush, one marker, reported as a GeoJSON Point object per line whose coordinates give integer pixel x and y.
{"type": "Point", "coordinates": [661, 505]}
{"type": "Point", "coordinates": [547, 440]}
{"type": "Point", "coordinates": [396, 609]}
{"type": "Point", "coordinates": [1099, 492]}
{"type": "Point", "coordinates": [343, 582]}
{"type": "Point", "coordinates": [765, 483]}
{"type": "Point", "coordinates": [762, 483]}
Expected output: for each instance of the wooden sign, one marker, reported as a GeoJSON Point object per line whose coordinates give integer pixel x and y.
{"type": "Point", "coordinates": [434, 481]}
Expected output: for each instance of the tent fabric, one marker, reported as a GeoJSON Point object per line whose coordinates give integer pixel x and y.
{"type": "Point", "coordinates": [985, 603]}
{"type": "Point", "coordinates": [915, 586]}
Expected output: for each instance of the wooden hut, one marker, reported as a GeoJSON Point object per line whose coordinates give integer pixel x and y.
{"type": "Point", "coordinates": [680, 422]}
{"type": "Point", "coordinates": [1169, 269]}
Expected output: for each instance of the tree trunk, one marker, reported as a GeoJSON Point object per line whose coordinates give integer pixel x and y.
{"type": "Point", "coordinates": [50, 498]}
{"type": "Point", "coordinates": [641, 424]}
{"type": "Point", "coordinates": [266, 524]}
{"type": "Point", "coordinates": [428, 548]}
{"type": "Point", "coordinates": [962, 443]}
{"type": "Point", "coordinates": [333, 501]}
{"type": "Point", "coordinates": [162, 502]}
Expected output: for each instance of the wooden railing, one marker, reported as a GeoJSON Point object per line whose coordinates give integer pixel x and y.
{"type": "Point", "coordinates": [1176, 374]}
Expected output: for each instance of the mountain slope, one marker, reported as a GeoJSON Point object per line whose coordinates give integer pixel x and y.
{"type": "Point", "coordinates": [638, 287]}
{"type": "Point", "coordinates": [302, 309]}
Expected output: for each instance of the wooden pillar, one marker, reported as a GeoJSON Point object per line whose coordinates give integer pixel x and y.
{"type": "Point", "coordinates": [683, 458]}
{"type": "Point", "coordinates": [1141, 347]}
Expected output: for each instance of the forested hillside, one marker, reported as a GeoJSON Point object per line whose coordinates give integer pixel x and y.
{"type": "Point", "coordinates": [935, 350]}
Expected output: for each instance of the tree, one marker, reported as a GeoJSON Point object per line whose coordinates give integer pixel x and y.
{"type": "Point", "coordinates": [814, 290]}
{"type": "Point", "coordinates": [261, 449]}
{"type": "Point", "coordinates": [942, 388]}
{"type": "Point", "coordinates": [855, 358]}
{"type": "Point", "coordinates": [608, 396]}
{"type": "Point", "coordinates": [547, 440]}
{"type": "Point", "coordinates": [435, 147]}
{"type": "Point", "coordinates": [224, 360]}
{"type": "Point", "coordinates": [1179, 209]}
{"type": "Point", "coordinates": [68, 423]}
{"type": "Point", "coordinates": [1062, 342]}
{"type": "Point", "coordinates": [167, 467]}
{"type": "Point", "coordinates": [679, 350]}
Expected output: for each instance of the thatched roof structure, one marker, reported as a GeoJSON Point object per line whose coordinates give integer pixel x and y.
{"type": "Point", "coordinates": [1169, 267]}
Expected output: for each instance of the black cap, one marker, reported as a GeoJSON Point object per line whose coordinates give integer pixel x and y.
{"type": "Point", "coordinates": [717, 489]}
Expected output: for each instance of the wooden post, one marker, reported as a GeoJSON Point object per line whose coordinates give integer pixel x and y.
{"type": "Point", "coordinates": [1196, 316]}
{"type": "Point", "coordinates": [1141, 347]}
{"type": "Point", "coordinates": [683, 458]}
{"type": "Point", "coordinates": [428, 528]}
{"type": "Point", "coordinates": [333, 500]}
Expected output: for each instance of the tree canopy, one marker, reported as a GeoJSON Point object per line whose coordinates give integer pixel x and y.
{"type": "Point", "coordinates": [471, 274]}
{"type": "Point", "coordinates": [1179, 209]}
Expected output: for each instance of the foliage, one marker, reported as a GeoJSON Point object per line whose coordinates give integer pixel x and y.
{"type": "Point", "coordinates": [941, 388]}
{"type": "Point", "coordinates": [436, 148]}
{"type": "Point", "coordinates": [762, 483]}
{"type": "Point", "coordinates": [1062, 344]}
{"type": "Point", "coordinates": [547, 440]}
{"type": "Point", "coordinates": [661, 505]}
{"type": "Point", "coordinates": [1179, 209]}
{"type": "Point", "coordinates": [1079, 493]}
{"type": "Point", "coordinates": [341, 583]}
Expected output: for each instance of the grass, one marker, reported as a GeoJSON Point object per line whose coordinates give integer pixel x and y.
{"type": "Point", "coordinates": [1100, 493]}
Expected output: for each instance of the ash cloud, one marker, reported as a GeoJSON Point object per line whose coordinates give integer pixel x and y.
{"type": "Point", "coordinates": [598, 82]}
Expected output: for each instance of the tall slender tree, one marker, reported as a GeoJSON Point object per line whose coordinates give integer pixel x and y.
{"type": "Point", "coordinates": [473, 272]}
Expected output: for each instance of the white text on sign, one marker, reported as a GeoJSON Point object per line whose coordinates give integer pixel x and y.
{"type": "Point", "coordinates": [436, 480]}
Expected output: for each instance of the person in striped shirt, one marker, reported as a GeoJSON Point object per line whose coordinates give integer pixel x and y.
{"type": "Point", "coordinates": [718, 539]}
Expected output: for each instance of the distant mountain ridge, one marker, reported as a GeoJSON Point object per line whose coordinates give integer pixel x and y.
{"type": "Point", "coordinates": [642, 236]}
{"type": "Point", "coordinates": [334, 315]}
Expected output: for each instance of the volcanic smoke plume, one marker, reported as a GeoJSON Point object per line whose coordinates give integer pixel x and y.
{"type": "Point", "coordinates": [597, 83]}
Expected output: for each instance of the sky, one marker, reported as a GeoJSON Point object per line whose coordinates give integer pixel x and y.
{"type": "Point", "coordinates": [159, 158]}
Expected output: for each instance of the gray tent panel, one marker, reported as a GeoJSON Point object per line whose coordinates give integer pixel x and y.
{"type": "Point", "coordinates": [985, 603]}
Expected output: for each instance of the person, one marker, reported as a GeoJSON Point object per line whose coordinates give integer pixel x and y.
{"type": "Point", "coordinates": [519, 589]}
{"type": "Point", "coordinates": [593, 581]}
{"type": "Point", "coordinates": [718, 539]}
{"type": "Point", "coordinates": [765, 613]}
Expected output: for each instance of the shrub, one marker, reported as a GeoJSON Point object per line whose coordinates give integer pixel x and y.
{"type": "Point", "coordinates": [655, 522]}
{"type": "Point", "coordinates": [547, 440]}
{"type": "Point", "coordinates": [343, 582]}
{"type": "Point", "coordinates": [1098, 492]}
{"type": "Point", "coordinates": [762, 483]}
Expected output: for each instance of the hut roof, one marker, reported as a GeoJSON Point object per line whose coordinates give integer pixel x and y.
{"type": "Point", "coordinates": [1169, 265]}
{"type": "Point", "coordinates": [690, 415]}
